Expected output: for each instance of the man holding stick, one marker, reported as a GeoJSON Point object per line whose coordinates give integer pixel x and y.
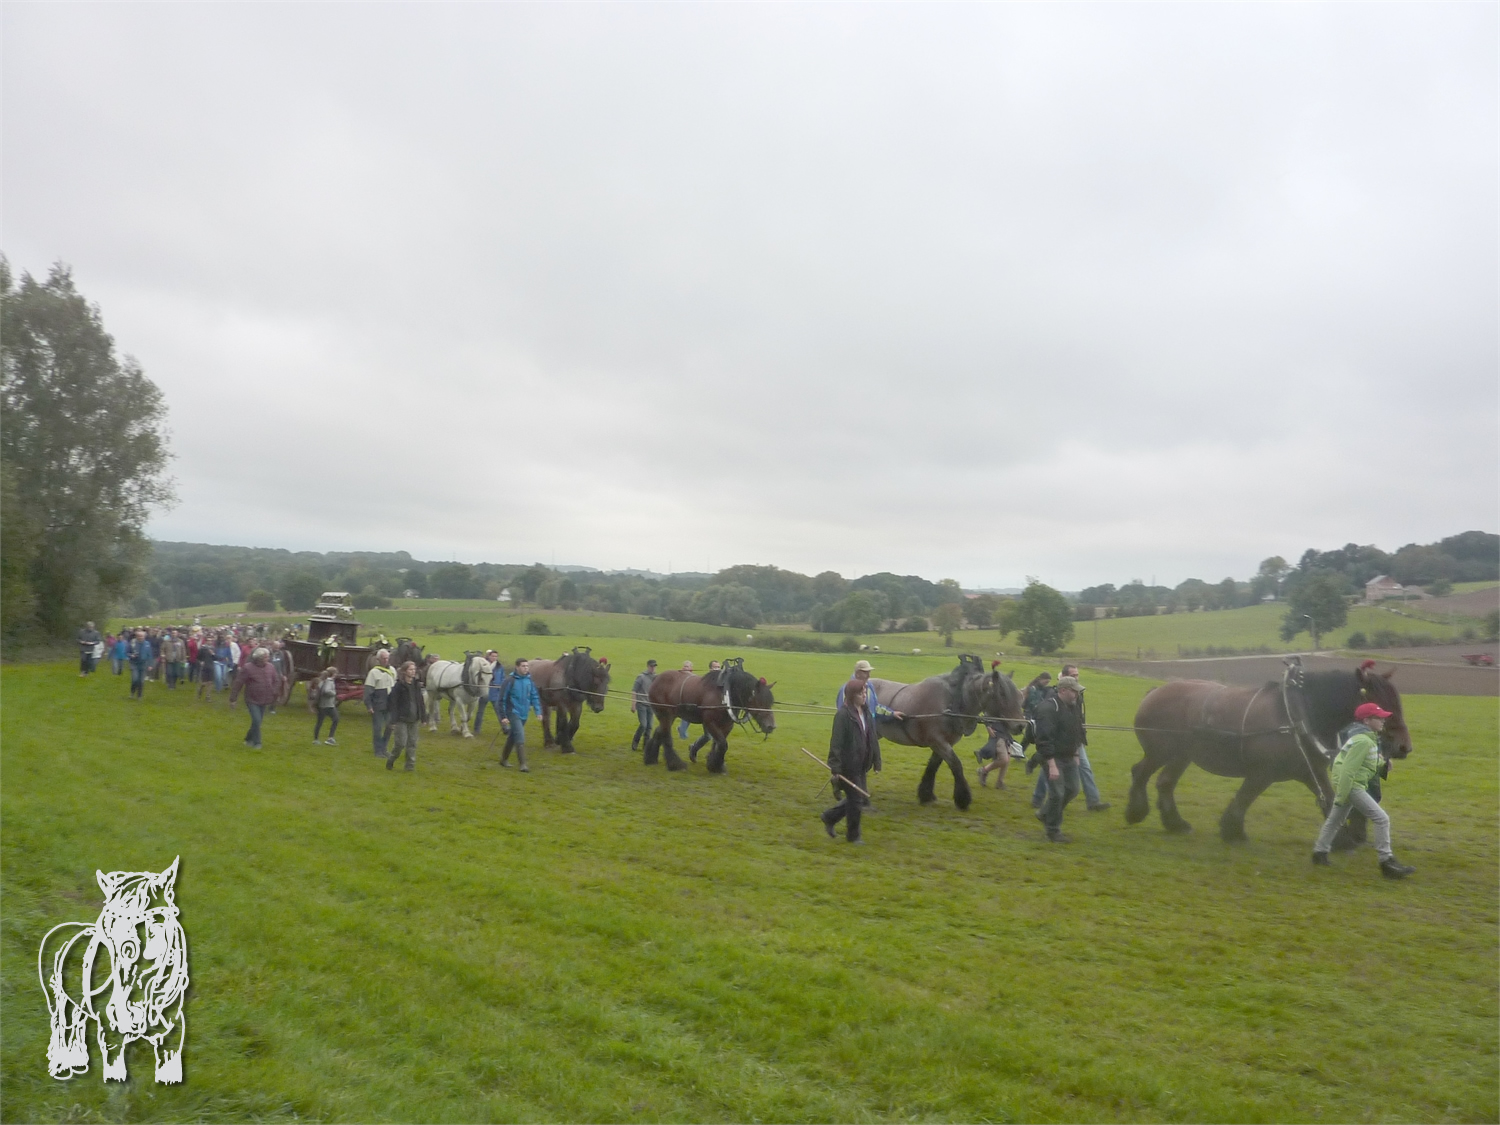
{"type": "Point", "coordinates": [852, 749]}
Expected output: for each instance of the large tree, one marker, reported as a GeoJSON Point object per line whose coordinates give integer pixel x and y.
{"type": "Point", "coordinates": [85, 455]}
{"type": "Point", "coordinates": [1043, 619]}
{"type": "Point", "coordinates": [1316, 606]}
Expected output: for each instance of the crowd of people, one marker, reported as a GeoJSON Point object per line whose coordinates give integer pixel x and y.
{"type": "Point", "coordinates": [249, 662]}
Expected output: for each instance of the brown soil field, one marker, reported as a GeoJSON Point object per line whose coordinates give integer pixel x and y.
{"type": "Point", "coordinates": [1416, 672]}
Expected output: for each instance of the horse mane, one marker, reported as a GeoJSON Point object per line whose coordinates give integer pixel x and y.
{"type": "Point", "coordinates": [578, 668]}
{"type": "Point", "coordinates": [1332, 697]}
{"type": "Point", "coordinates": [957, 680]}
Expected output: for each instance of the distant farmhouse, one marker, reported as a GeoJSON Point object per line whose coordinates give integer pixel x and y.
{"type": "Point", "coordinates": [1383, 586]}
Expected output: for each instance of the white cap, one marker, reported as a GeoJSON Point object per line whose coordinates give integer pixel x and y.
{"type": "Point", "coordinates": [863, 666]}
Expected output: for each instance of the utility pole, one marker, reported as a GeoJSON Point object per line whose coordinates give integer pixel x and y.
{"type": "Point", "coordinates": [1096, 634]}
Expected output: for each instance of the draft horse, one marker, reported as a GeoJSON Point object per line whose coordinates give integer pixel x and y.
{"type": "Point", "coordinates": [717, 700]}
{"type": "Point", "coordinates": [463, 685]}
{"type": "Point", "coordinates": [1285, 731]}
{"type": "Point", "coordinates": [941, 710]}
{"type": "Point", "coordinates": [565, 685]}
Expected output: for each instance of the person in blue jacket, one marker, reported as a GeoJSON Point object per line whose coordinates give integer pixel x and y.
{"type": "Point", "coordinates": [139, 653]}
{"type": "Point", "coordinates": [492, 695]}
{"type": "Point", "coordinates": [518, 700]}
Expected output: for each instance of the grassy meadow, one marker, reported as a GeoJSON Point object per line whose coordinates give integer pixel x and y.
{"type": "Point", "coordinates": [597, 940]}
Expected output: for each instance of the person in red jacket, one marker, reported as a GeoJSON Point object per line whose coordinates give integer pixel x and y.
{"type": "Point", "coordinates": [262, 685]}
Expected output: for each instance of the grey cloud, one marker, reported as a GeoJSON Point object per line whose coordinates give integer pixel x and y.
{"type": "Point", "coordinates": [653, 282]}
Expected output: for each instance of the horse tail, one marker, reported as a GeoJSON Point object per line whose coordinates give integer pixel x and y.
{"type": "Point", "coordinates": [67, 1049]}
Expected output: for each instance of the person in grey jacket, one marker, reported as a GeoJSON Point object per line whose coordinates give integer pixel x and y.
{"type": "Point", "coordinates": [640, 694]}
{"type": "Point", "coordinates": [328, 705]}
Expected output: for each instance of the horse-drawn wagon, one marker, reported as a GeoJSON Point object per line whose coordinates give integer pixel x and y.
{"type": "Point", "coordinates": [332, 640]}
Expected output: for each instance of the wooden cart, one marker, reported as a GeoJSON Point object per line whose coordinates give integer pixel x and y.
{"type": "Point", "coordinates": [332, 638]}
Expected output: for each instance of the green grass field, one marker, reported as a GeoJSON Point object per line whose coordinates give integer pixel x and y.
{"type": "Point", "coordinates": [602, 941]}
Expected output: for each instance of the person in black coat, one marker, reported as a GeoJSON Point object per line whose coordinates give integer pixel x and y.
{"type": "Point", "coordinates": [1059, 734]}
{"type": "Point", "coordinates": [852, 749]}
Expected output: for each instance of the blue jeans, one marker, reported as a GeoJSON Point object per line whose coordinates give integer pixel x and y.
{"type": "Point", "coordinates": [138, 680]}
{"type": "Point", "coordinates": [485, 705]}
{"type": "Point", "coordinates": [380, 723]}
{"type": "Point", "coordinates": [257, 713]}
{"type": "Point", "coordinates": [218, 676]}
{"type": "Point", "coordinates": [1086, 779]}
{"type": "Point", "coordinates": [643, 716]}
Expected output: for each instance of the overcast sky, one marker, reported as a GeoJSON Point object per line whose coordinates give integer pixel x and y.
{"type": "Point", "coordinates": [1086, 293]}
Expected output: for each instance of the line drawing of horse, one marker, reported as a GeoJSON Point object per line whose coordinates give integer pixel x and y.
{"type": "Point", "coordinates": [139, 933]}
{"type": "Point", "coordinates": [463, 685]}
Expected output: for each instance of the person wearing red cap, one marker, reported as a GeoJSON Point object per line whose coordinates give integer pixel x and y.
{"type": "Point", "coordinates": [1357, 764]}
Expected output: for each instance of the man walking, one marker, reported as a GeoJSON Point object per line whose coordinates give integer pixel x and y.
{"type": "Point", "coordinates": [491, 700]}
{"type": "Point", "coordinates": [138, 653]}
{"type": "Point", "coordinates": [262, 686]}
{"type": "Point", "coordinates": [1091, 797]}
{"type": "Point", "coordinates": [1357, 764]}
{"type": "Point", "coordinates": [408, 710]}
{"type": "Point", "coordinates": [518, 699]}
{"type": "Point", "coordinates": [379, 682]}
{"type": "Point", "coordinates": [853, 748]}
{"type": "Point", "coordinates": [1059, 734]}
{"type": "Point", "coordinates": [641, 693]}
{"type": "Point", "coordinates": [88, 640]}
{"type": "Point", "coordinates": [173, 657]}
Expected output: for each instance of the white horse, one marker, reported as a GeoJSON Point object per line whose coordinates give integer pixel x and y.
{"type": "Point", "coordinates": [139, 938]}
{"type": "Point", "coordinates": [462, 685]}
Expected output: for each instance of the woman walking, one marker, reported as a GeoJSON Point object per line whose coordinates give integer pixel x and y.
{"type": "Point", "coordinates": [328, 705]}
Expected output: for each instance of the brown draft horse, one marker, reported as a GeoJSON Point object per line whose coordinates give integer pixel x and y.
{"type": "Point", "coordinates": [565, 685]}
{"type": "Point", "coordinates": [941, 710]}
{"type": "Point", "coordinates": [717, 700]}
{"type": "Point", "coordinates": [1248, 732]}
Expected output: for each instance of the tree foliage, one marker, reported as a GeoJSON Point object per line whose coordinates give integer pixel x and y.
{"type": "Point", "coordinates": [455, 581]}
{"type": "Point", "coordinates": [1043, 619]}
{"type": "Point", "coordinates": [1316, 606]}
{"type": "Point", "coordinates": [84, 449]}
{"type": "Point", "coordinates": [726, 605]}
{"type": "Point", "coordinates": [300, 590]}
{"type": "Point", "coordinates": [946, 621]}
{"type": "Point", "coordinates": [261, 601]}
{"type": "Point", "coordinates": [863, 611]}
{"type": "Point", "coordinates": [980, 612]}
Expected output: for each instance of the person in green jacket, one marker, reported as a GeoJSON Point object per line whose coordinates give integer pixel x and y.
{"type": "Point", "coordinates": [1357, 764]}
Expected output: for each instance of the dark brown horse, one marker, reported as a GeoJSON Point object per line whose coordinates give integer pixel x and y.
{"type": "Point", "coordinates": [941, 710]}
{"type": "Point", "coordinates": [565, 685]}
{"type": "Point", "coordinates": [1281, 731]}
{"type": "Point", "coordinates": [718, 700]}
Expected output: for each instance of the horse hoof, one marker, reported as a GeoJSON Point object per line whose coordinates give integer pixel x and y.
{"type": "Point", "coordinates": [926, 798]}
{"type": "Point", "coordinates": [963, 800]}
{"type": "Point", "coordinates": [1232, 835]}
{"type": "Point", "coordinates": [1135, 813]}
{"type": "Point", "coordinates": [1178, 827]}
{"type": "Point", "coordinates": [567, 750]}
{"type": "Point", "coordinates": [676, 767]}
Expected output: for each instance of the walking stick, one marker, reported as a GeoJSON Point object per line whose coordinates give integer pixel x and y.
{"type": "Point", "coordinates": [837, 776]}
